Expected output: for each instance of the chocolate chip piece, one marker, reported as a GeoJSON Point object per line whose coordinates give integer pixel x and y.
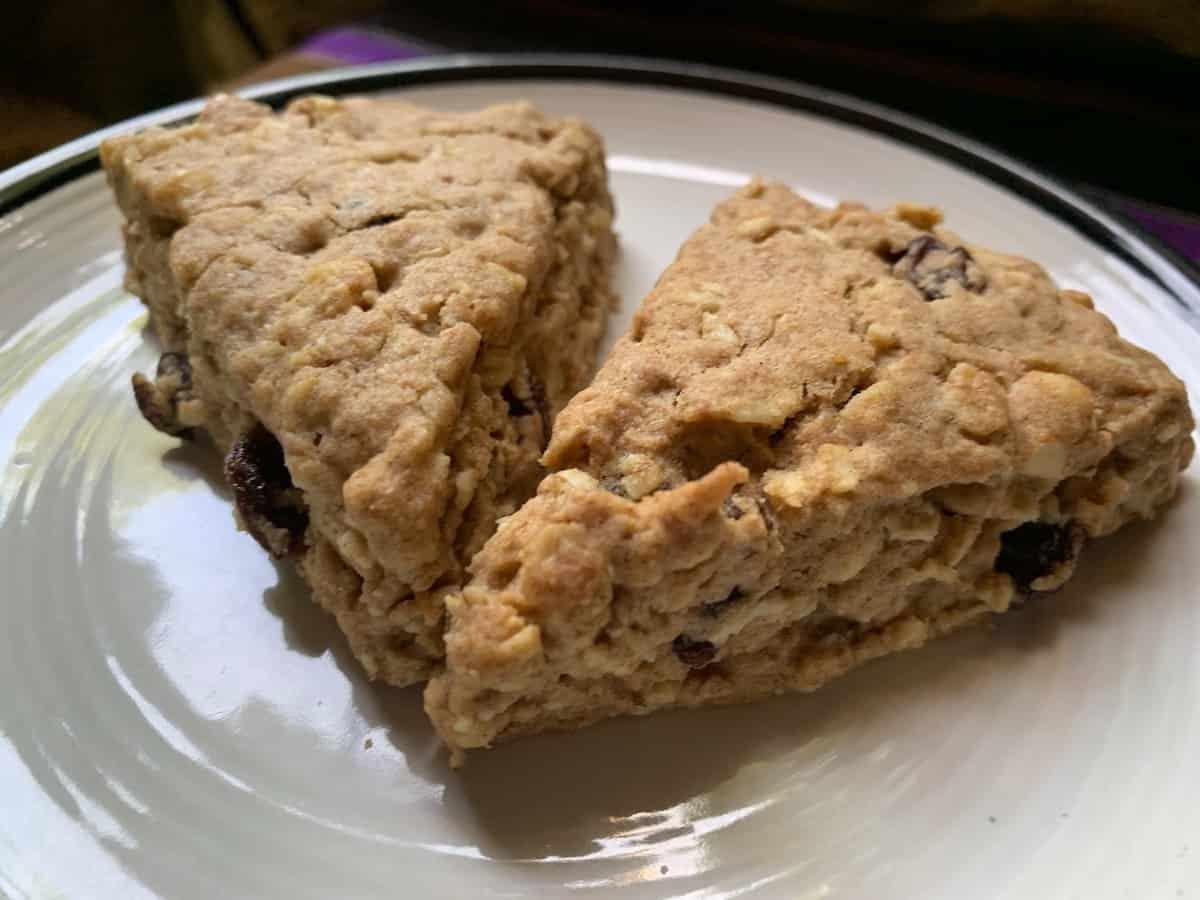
{"type": "Point", "coordinates": [715, 609]}
{"type": "Point", "coordinates": [1034, 549]}
{"type": "Point", "coordinates": [158, 400]}
{"type": "Point", "coordinates": [693, 653]}
{"type": "Point", "coordinates": [269, 503]}
{"type": "Point", "coordinates": [931, 265]}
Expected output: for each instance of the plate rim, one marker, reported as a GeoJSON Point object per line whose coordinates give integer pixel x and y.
{"type": "Point", "coordinates": [1175, 274]}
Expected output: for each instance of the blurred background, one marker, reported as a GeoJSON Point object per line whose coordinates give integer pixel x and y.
{"type": "Point", "coordinates": [1102, 92]}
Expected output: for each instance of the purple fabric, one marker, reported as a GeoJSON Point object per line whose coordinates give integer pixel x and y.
{"type": "Point", "coordinates": [354, 46]}
{"type": "Point", "coordinates": [1178, 229]}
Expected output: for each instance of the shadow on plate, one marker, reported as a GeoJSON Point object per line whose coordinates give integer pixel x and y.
{"type": "Point", "coordinates": [636, 782]}
{"type": "Point", "coordinates": [308, 629]}
{"type": "Point", "coordinates": [633, 783]}
{"type": "Point", "coordinates": [576, 794]}
{"type": "Point", "coordinates": [199, 457]}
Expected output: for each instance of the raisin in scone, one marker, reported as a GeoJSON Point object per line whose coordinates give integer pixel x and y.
{"type": "Point", "coordinates": [376, 310]}
{"type": "Point", "coordinates": [829, 435]}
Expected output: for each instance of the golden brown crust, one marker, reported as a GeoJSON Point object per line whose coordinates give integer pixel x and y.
{"type": "Point", "coordinates": [402, 298]}
{"type": "Point", "coordinates": [828, 435]}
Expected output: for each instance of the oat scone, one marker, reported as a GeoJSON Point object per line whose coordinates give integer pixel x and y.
{"type": "Point", "coordinates": [376, 310]}
{"type": "Point", "coordinates": [829, 435]}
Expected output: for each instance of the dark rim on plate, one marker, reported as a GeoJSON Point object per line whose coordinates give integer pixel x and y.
{"type": "Point", "coordinates": [1151, 257]}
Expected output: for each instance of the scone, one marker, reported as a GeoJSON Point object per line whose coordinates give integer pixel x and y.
{"type": "Point", "coordinates": [376, 311]}
{"type": "Point", "coordinates": [829, 435]}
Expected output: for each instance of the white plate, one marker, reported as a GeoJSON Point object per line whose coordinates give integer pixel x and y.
{"type": "Point", "coordinates": [178, 720]}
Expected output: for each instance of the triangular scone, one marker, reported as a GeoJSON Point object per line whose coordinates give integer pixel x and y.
{"type": "Point", "coordinates": [829, 435]}
{"type": "Point", "coordinates": [375, 309]}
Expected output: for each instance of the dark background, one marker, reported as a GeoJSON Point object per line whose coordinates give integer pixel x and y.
{"type": "Point", "coordinates": [1104, 92]}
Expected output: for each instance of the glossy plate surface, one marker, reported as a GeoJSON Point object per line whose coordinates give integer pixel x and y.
{"type": "Point", "coordinates": [177, 719]}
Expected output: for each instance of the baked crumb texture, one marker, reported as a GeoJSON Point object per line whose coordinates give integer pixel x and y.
{"type": "Point", "coordinates": [375, 310]}
{"type": "Point", "coordinates": [829, 435]}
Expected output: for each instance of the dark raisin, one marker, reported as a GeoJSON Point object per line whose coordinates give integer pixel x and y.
{"type": "Point", "coordinates": [158, 400]}
{"type": "Point", "coordinates": [693, 653]}
{"type": "Point", "coordinates": [930, 265]}
{"type": "Point", "coordinates": [715, 609]}
{"type": "Point", "coordinates": [1034, 549]}
{"type": "Point", "coordinates": [266, 498]}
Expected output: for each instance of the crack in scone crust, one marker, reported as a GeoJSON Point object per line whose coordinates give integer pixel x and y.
{"type": "Point", "coordinates": [828, 435]}
{"type": "Point", "coordinates": [400, 299]}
